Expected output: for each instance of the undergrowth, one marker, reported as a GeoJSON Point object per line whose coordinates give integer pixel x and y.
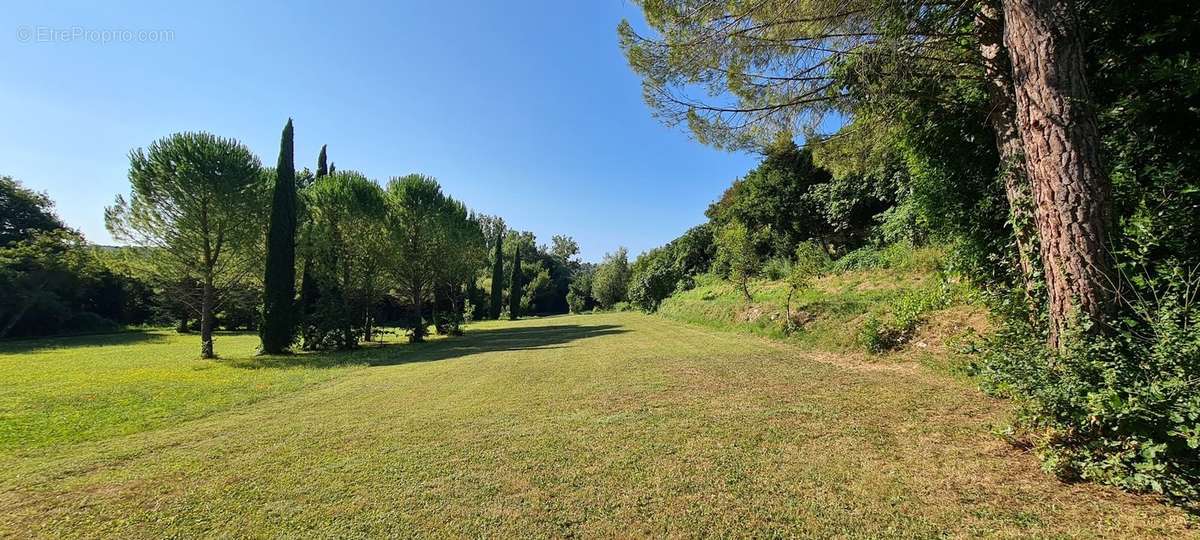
{"type": "Point", "coordinates": [876, 302]}
{"type": "Point", "coordinates": [1118, 405]}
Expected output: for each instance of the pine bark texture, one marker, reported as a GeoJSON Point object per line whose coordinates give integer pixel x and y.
{"type": "Point", "coordinates": [989, 25]}
{"type": "Point", "coordinates": [1060, 141]}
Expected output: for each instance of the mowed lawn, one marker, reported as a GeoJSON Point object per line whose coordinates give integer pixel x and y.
{"type": "Point", "coordinates": [596, 425]}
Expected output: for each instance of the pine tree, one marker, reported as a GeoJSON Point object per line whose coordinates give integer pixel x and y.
{"type": "Point", "coordinates": [497, 278]}
{"type": "Point", "coordinates": [279, 283]}
{"type": "Point", "coordinates": [514, 295]}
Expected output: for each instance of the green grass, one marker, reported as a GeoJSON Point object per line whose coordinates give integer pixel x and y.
{"type": "Point", "coordinates": [833, 310]}
{"type": "Point", "coordinates": [84, 388]}
{"type": "Point", "coordinates": [598, 425]}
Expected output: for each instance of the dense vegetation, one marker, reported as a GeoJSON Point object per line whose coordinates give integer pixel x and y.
{"type": "Point", "coordinates": [202, 212]}
{"type": "Point", "coordinates": [1051, 145]}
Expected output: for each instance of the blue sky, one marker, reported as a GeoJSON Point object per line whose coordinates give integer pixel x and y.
{"type": "Point", "coordinates": [522, 109]}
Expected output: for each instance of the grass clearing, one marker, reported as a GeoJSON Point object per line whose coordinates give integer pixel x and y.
{"type": "Point", "coordinates": [598, 425]}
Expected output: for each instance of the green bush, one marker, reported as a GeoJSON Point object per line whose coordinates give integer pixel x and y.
{"type": "Point", "coordinates": [777, 268]}
{"type": "Point", "coordinates": [874, 336]}
{"type": "Point", "coordinates": [88, 323]}
{"type": "Point", "coordinates": [907, 312]}
{"type": "Point", "coordinates": [653, 279]}
{"type": "Point", "coordinates": [898, 256]}
{"type": "Point", "coordinates": [576, 302]}
{"type": "Point", "coordinates": [1121, 406]}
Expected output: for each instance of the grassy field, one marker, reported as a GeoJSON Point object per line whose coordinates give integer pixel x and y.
{"type": "Point", "coordinates": [595, 425]}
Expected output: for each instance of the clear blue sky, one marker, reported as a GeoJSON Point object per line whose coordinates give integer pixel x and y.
{"type": "Point", "coordinates": [522, 109]}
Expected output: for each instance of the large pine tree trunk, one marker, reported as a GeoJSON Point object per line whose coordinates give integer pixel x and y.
{"type": "Point", "coordinates": [206, 317]}
{"type": "Point", "coordinates": [349, 341]}
{"type": "Point", "coordinates": [1060, 139]}
{"type": "Point", "coordinates": [418, 334]}
{"type": "Point", "coordinates": [989, 27]}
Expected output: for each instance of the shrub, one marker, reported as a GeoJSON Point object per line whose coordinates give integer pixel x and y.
{"type": "Point", "coordinates": [1120, 407]}
{"type": "Point", "coordinates": [468, 312]}
{"type": "Point", "coordinates": [810, 263]}
{"type": "Point", "coordinates": [873, 336]}
{"type": "Point", "coordinates": [897, 256]}
{"type": "Point", "coordinates": [777, 268]}
{"type": "Point", "coordinates": [88, 323]}
{"type": "Point", "coordinates": [907, 313]}
{"type": "Point", "coordinates": [653, 279]}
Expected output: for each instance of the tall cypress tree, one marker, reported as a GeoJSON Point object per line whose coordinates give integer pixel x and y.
{"type": "Point", "coordinates": [514, 295]}
{"type": "Point", "coordinates": [497, 278]}
{"type": "Point", "coordinates": [309, 293]}
{"type": "Point", "coordinates": [279, 283]}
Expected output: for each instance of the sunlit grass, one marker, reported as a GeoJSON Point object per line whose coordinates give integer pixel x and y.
{"type": "Point", "coordinates": [596, 425]}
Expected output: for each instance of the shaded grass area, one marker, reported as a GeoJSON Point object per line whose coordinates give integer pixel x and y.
{"type": "Point", "coordinates": [598, 425]}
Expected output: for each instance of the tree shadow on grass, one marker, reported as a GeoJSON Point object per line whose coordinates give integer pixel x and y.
{"type": "Point", "coordinates": [473, 342]}
{"type": "Point", "coordinates": [32, 345]}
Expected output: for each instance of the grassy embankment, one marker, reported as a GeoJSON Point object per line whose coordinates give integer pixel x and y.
{"type": "Point", "coordinates": [894, 304]}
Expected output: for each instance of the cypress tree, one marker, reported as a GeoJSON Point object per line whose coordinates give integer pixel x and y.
{"type": "Point", "coordinates": [279, 282]}
{"type": "Point", "coordinates": [322, 169]}
{"type": "Point", "coordinates": [497, 278]}
{"type": "Point", "coordinates": [514, 295]}
{"type": "Point", "coordinates": [309, 294]}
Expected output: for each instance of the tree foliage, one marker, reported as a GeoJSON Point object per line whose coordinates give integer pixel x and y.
{"type": "Point", "coordinates": [278, 329]}
{"type": "Point", "coordinates": [196, 203]}
{"type": "Point", "coordinates": [610, 283]}
{"type": "Point", "coordinates": [737, 255]}
{"type": "Point", "coordinates": [349, 246]}
{"type": "Point", "coordinates": [24, 213]}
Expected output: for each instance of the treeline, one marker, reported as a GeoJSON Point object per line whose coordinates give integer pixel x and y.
{"type": "Point", "coordinates": [51, 281]}
{"type": "Point", "coordinates": [786, 210]}
{"type": "Point", "coordinates": [312, 259]}
{"type": "Point", "coordinates": [1052, 145]}
{"type": "Point", "coordinates": [778, 213]}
